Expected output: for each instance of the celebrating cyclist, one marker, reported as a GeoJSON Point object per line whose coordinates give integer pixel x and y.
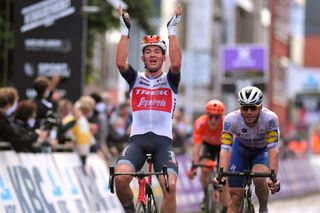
{"type": "Point", "coordinates": [153, 96]}
{"type": "Point", "coordinates": [250, 138]}
{"type": "Point", "coordinates": [206, 142]}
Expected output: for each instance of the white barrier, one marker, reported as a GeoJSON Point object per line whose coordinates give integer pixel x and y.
{"type": "Point", "coordinates": [54, 183]}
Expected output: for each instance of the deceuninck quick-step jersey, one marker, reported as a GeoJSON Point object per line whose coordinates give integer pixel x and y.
{"type": "Point", "coordinates": [264, 134]}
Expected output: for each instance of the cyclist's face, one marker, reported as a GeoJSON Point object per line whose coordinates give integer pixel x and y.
{"type": "Point", "coordinates": [214, 120]}
{"type": "Point", "coordinates": [250, 114]}
{"type": "Point", "coordinates": [153, 58]}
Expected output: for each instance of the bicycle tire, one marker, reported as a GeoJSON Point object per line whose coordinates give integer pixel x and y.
{"type": "Point", "coordinates": [210, 200]}
{"type": "Point", "coordinates": [151, 204]}
{"type": "Point", "coordinates": [247, 206]}
{"type": "Point", "coordinates": [140, 208]}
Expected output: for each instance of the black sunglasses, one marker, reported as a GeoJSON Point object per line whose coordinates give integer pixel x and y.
{"type": "Point", "coordinates": [246, 108]}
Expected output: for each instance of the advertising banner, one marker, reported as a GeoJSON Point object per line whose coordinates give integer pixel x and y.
{"type": "Point", "coordinates": [98, 177]}
{"type": "Point", "coordinates": [43, 190]}
{"type": "Point", "coordinates": [9, 168]}
{"type": "Point", "coordinates": [49, 41]}
{"type": "Point", "coordinates": [244, 61]}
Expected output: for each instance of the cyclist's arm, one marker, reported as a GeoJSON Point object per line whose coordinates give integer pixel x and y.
{"type": "Point", "coordinates": [122, 54]}
{"type": "Point", "coordinates": [197, 139]}
{"type": "Point", "coordinates": [224, 160]}
{"type": "Point", "coordinates": [274, 158]}
{"type": "Point", "coordinates": [174, 54]}
{"type": "Point", "coordinates": [196, 152]}
{"type": "Point", "coordinates": [273, 138]}
{"type": "Point", "coordinates": [226, 141]}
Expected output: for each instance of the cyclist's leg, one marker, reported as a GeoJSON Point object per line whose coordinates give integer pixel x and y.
{"type": "Point", "coordinates": [162, 155]}
{"type": "Point", "coordinates": [131, 159]}
{"type": "Point", "coordinates": [205, 155]}
{"type": "Point", "coordinates": [238, 162]}
{"type": "Point", "coordinates": [260, 163]}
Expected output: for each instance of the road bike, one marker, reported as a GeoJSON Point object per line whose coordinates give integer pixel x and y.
{"type": "Point", "coordinates": [145, 202]}
{"type": "Point", "coordinates": [213, 199]}
{"type": "Point", "coordinates": [248, 175]}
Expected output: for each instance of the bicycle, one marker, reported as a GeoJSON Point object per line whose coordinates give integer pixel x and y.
{"type": "Point", "coordinates": [145, 202]}
{"type": "Point", "coordinates": [213, 198]}
{"type": "Point", "coordinates": [246, 203]}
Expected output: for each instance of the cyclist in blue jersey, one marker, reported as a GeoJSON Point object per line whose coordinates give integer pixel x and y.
{"type": "Point", "coordinates": [250, 140]}
{"type": "Point", "coordinates": [153, 96]}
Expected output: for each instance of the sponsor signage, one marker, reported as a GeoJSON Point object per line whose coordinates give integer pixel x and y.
{"type": "Point", "coordinates": [243, 61]}
{"type": "Point", "coordinates": [49, 41]}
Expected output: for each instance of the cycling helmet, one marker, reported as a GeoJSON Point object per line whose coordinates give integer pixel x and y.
{"type": "Point", "coordinates": [250, 96]}
{"type": "Point", "coordinates": [215, 107]}
{"type": "Point", "coordinates": [154, 40]}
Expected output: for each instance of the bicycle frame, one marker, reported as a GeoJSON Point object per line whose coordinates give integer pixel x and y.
{"type": "Point", "coordinates": [145, 196]}
{"type": "Point", "coordinates": [246, 204]}
{"type": "Point", "coordinates": [213, 199]}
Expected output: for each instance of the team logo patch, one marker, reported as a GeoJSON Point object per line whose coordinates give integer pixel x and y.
{"type": "Point", "coordinates": [226, 138]}
{"type": "Point", "coordinates": [151, 99]}
{"type": "Point", "coordinates": [272, 136]}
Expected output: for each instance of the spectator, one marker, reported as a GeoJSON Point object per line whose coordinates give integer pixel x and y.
{"type": "Point", "coordinates": [42, 86]}
{"type": "Point", "coordinates": [13, 98]}
{"type": "Point", "coordinates": [120, 123]}
{"type": "Point", "coordinates": [23, 124]}
{"type": "Point", "coordinates": [8, 134]}
{"type": "Point", "coordinates": [181, 130]}
{"type": "Point", "coordinates": [82, 130]}
{"type": "Point", "coordinates": [67, 121]}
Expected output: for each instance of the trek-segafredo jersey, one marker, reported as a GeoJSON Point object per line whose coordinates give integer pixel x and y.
{"type": "Point", "coordinates": [152, 102]}
{"type": "Point", "coordinates": [264, 134]}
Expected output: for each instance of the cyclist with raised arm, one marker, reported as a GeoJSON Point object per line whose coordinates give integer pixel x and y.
{"type": "Point", "coordinates": [250, 138]}
{"type": "Point", "coordinates": [153, 96]}
{"type": "Point", "coordinates": [206, 143]}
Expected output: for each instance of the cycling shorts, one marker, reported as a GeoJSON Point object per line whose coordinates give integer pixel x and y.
{"type": "Point", "coordinates": [158, 146]}
{"type": "Point", "coordinates": [243, 158]}
{"type": "Point", "coordinates": [209, 151]}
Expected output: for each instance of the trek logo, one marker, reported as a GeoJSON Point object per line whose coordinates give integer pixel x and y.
{"type": "Point", "coordinates": [151, 99]}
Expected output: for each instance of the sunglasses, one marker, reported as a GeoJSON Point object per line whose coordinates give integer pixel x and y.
{"type": "Point", "coordinates": [211, 116]}
{"type": "Point", "coordinates": [151, 39]}
{"type": "Point", "coordinates": [246, 108]}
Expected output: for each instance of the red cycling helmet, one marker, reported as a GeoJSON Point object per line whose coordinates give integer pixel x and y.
{"type": "Point", "coordinates": [215, 107]}
{"type": "Point", "coordinates": [154, 40]}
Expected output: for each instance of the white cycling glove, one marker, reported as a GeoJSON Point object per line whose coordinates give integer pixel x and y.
{"type": "Point", "coordinates": [172, 24]}
{"type": "Point", "coordinates": [125, 24]}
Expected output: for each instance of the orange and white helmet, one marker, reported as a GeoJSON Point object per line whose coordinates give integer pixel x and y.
{"type": "Point", "coordinates": [154, 40]}
{"type": "Point", "coordinates": [215, 107]}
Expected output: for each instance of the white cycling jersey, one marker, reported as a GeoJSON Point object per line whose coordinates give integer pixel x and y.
{"type": "Point", "coordinates": [153, 102]}
{"type": "Point", "coordinates": [264, 134]}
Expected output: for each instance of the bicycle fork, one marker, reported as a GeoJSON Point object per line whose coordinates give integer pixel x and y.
{"type": "Point", "coordinates": [141, 196]}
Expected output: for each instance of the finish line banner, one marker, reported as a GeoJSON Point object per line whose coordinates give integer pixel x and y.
{"type": "Point", "coordinates": [54, 183]}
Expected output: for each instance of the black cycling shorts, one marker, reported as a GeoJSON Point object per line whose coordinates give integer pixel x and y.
{"type": "Point", "coordinates": [134, 154]}
{"type": "Point", "coordinates": [209, 151]}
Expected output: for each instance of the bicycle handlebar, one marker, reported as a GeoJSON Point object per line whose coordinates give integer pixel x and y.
{"type": "Point", "coordinates": [139, 175]}
{"type": "Point", "coordinates": [209, 165]}
{"type": "Point", "coordinates": [246, 173]}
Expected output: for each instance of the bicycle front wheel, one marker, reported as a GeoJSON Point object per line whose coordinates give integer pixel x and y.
{"type": "Point", "coordinates": [140, 208]}
{"type": "Point", "coordinates": [151, 204]}
{"type": "Point", "coordinates": [211, 204]}
{"type": "Point", "coordinates": [247, 206]}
